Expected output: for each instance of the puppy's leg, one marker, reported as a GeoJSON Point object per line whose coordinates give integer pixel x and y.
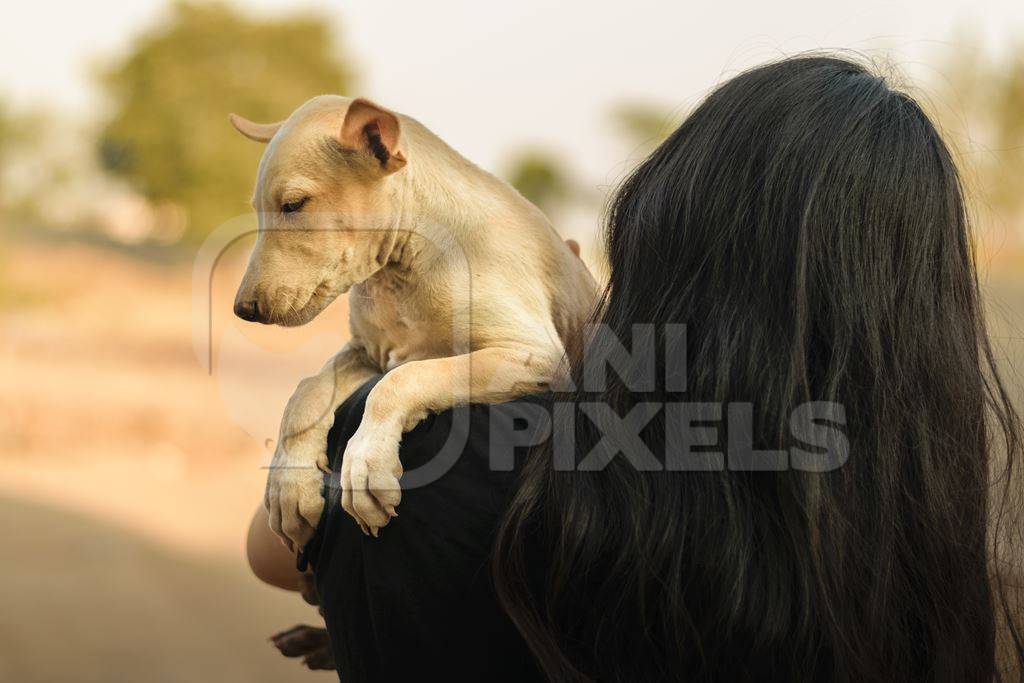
{"type": "Point", "coordinates": [293, 496]}
{"type": "Point", "coordinates": [371, 468]}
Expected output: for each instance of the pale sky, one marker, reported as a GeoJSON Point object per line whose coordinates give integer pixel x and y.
{"type": "Point", "coordinates": [491, 77]}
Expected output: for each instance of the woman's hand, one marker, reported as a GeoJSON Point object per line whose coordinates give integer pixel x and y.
{"type": "Point", "coordinates": [309, 642]}
{"type": "Point", "coordinates": [269, 559]}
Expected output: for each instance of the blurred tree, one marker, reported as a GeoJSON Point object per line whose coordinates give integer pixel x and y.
{"type": "Point", "coordinates": [18, 127]}
{"type": "Point", "coordinates": [541, 178]}
{"type": "Point", "coordinates": [5, 131]}
{"type": "Point", "coordinates": [645, 125]}
{"type": "Point", "coordinates": [979, 104]}
{"type": "Point", "coordinates": [1007, 111]}
{"type": "Point", "coordinates": [171, 94]}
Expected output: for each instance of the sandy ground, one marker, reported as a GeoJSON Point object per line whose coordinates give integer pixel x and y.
{"type": "Point", "coordinates": [130, 473]}
{"type": "Point", "coordinates": [90, 601]}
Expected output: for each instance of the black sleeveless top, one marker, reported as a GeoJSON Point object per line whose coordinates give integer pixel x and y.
{"type": "Point", "coordinates": [418, 601]}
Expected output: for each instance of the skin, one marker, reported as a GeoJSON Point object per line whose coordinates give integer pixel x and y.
{"type": "Point", "coordinates": [269, 559]}
{"type": "Point", "coordinates": [273, 564]}
{"type": "Point", "coordinates": [460, 290]}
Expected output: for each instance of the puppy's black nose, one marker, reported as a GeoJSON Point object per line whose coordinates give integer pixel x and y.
{"type": "Point", "coordinates": [247, 310]}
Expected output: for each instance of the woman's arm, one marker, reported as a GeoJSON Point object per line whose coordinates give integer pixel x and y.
{"type": "Point", "coordinates": [269, 558]}
{"type": "Point", "coordinates": [272, 562]}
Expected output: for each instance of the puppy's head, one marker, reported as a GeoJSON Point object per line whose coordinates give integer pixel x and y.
{"type": "Point", "coordinates": [324, 196]}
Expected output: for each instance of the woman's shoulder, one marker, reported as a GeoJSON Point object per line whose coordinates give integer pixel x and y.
{"type": "Point", "coordinates": [425, 581]}
{"type": "Point", "coordinates": [475, 440]}
{"type": "Point", "coordinates": [459, 467]}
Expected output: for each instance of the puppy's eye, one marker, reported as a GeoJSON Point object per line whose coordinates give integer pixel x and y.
{"type": "Point", "coordinates": [292, 207]}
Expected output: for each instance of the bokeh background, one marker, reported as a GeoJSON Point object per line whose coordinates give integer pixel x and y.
{"type": "Point", "coordinates": [129, 465]}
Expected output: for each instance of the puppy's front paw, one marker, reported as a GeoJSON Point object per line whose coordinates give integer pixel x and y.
{"type": "Point", "coordinates": [294, 498]}
{"type": "Point", "coordinates": [369, 476]}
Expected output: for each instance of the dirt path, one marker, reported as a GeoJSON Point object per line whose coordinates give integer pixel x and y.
{"type": "Point", "coordinates": [86, 601]}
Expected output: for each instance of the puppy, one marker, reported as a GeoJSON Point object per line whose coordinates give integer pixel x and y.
{"type": "Point", "coordinates": [460, 291]}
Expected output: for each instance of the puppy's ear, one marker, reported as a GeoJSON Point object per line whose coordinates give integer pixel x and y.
{"type": "Point", "coordinates": [375, 131]}
{"type": "Point", "coordinates": [260, 132]}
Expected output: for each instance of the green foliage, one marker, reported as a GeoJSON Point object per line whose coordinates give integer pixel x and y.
{"type": "Point", "coordinates": [6, 125]}
{"type": "Point", "coordinates": [645, 125]}
{"type": "Point", "coordinates": [1007, 107]}
{"type": "Point", "coordinates": [980, 108]}
{"type": "Point", "coordinates": [539, 177]}
{"type": "Point", "coordinates": [17, 129]}
{"type": "Point", "coordinates": [169, 134]}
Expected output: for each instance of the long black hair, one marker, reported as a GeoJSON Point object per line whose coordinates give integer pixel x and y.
{"type": "Point", "coordinates": [806, 224]}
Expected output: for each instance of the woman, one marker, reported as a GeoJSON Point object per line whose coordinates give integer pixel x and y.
{"type": "Point", "coordinates": [807, 226]}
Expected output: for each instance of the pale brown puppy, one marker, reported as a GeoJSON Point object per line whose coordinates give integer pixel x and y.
{"type": "Point", "coordinates": [460, 291]}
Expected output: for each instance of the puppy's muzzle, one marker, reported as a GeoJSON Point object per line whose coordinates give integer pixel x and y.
{"type": "Point", "coordinates": [248, 310]}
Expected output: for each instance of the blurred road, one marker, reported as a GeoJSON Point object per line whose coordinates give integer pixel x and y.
{"type": "Point", "coordinates": [126, 484]}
